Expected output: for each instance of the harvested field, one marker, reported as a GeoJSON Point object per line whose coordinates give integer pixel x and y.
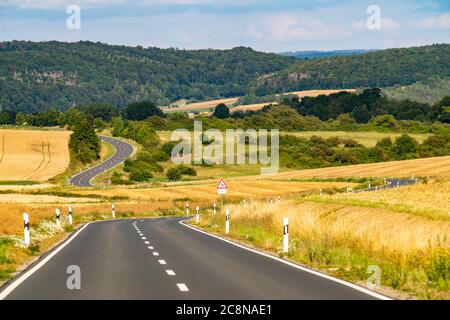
{"type": "Point", "coordinates": [32, 154]}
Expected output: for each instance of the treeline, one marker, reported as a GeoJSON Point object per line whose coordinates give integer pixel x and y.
{"type": "Point", "coordinates": [36, 76]}
{"type": "Point", "coordinates": [369, 104]}
{"type": "Point", "coordinates": [428, 91]}
{"type": "Point", "coordinates": [383, 68]}
{"type": "Point", "coordinates": [317, 152]}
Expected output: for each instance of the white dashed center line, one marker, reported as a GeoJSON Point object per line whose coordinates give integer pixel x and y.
{"type": "Point", "coordinates": [147, 242]}
{"type": "Point", "coordinates": [150, 247]}
{"type": "Point", "coordinates": [170, 272]}
{"type": "Point", "coordinates": [182, 287]}
{"type": "Point", "coordinates": [155, 253]}
{"type": "Point", "coordinates": [162, 261]}
{"type": "Point", "coordinates": [144, 238]}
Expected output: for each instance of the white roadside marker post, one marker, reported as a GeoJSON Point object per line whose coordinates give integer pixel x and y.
{"type": "Point", "coordinates": [286, 235]}
{"type": "Point", "coordinates": [398, 184]}
{"type": "Point", "coordinates": [197, 217]}
{"type": "Point", "coordinates": [58, 218]}
{"type": "Point", "coordinates": [187, 209]}
{"type": "Point", "coordinates": [271, 201]}
{"type": "Point", "coordinates": [70, 215]}
{"type": "Point", "coordinates": [245, 203]}
{"type": "Point", "coordinates": [26, 229]}
{"type": "Point", "coordinates": [279, 199]}
{"type": "Point", "coordinates": [227, 221]}
{"type": "Point", "coordinates": [113, 211]}
{"type": "Point", "coordinates": [369, 184]}
{"type": "Point", "coordinates": [214, 209]}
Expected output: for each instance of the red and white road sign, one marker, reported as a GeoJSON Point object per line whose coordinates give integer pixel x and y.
{"type": "Point", "coordinates": [222, 187]}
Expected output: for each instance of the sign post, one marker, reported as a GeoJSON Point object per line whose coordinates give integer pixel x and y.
{"type": "Point", "coordinates": [26, 229]}
{"type": "Point", "coordinates": [222, 189]}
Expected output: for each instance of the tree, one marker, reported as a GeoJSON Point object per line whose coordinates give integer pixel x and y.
{"type": "Point", "coordinates": [221, 111]}
{"type": "Point", "coordinates": [103, 111]}
{"type": "Point", "coordinates": [20, 119]}
{"type": "Point", "coordinates": [142, 110]}
{"type": "Point", "coordinates": [84, 143]}
{"type": "Point", "coordinates": [405, 147]}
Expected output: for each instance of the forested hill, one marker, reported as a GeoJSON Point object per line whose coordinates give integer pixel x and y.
{"type": "Point", "coordinates": [374, 69]}
{"type": "Point", "coordinates": [36, 76]}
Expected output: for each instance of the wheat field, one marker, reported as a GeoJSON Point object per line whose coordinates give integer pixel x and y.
{"type": "Point", "coordinates": [434, 167]}
{"type": "Point", "coordinates": [237, 189]}
{"type": "Point", "coordinates": [33, 154]}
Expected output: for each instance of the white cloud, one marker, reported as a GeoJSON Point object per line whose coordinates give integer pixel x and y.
{"type": "Point", "coordinates": [441, 22]}
{"type": "Point", "coordinates": [59, 4]}
{"type": "Point", "coordinates": [290, 27]}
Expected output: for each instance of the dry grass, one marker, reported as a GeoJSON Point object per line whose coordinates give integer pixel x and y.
{"type": "Point", "coordinates": [237, 189]}
{"type": "Point", "coordinates": [11, 214]}
{"type": "Point", "coordinates": [431, 196]}
{"type": "Point", "coordinates": [201, 105]}
{"type": "Point", "coordinates": [379, 229]}
{"type": "Point", "coordinates": [434, 167]}
{"type": "Point", "coordinates": [251, 107]}
{"type": "Point", "coordinates": [32, 154]}
{"type": "Point", "coordinates": [412, 251]}
{"type": "Point", "coordinates": [315, 93]}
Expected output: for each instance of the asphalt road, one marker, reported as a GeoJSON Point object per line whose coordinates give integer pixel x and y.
{"type": "Point", "coordinates": [163, 259]}
{"type": "Point", "coordinates": [123, 151]}
{"type": "Point", "coordinates": [391, 183]}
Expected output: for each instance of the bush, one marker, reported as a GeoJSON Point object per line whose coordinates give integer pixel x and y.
{"type": "Point", "coordinates": [140, 175]}
{"type": "Point", "coordinates": [187, 171]}
{"type": "Point", "coordinates": [173, 174]}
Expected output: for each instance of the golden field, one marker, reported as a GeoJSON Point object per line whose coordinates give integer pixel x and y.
{"type": "Point", "coordinates": [434, 167]}
{"type": "Point", "coordinates": [196, 106]}
{"type": "Point", "coordinates": [201, 105]}
{"type": "Point", "coordinates": [32, 154]}
{"type": "Point", "coordinates": [204, 191]}
{"type": "Point", "coordinates": [433, 196]}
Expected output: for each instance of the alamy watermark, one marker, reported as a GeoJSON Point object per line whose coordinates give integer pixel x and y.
{"type": "Point", "coordinates": [374, 280]}
{"type": "Point", "coordinates": [234, 146]}
{"type": "Point", "coordinates": [74, 280]}
{"type": "Point", "coordinates": [373, 22]}
{"type": "Point", "coordinates": [73, 22]}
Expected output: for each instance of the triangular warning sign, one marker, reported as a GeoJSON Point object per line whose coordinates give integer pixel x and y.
{"type": "Point", "coordinates": [222, 184]}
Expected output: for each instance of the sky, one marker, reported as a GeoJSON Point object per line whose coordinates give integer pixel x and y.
{"type": "Point", "coordinates": [264, 25]}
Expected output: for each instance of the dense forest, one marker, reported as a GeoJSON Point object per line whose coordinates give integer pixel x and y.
{"type": "Point", "coordinates": [37, 76]}
{"type": "Point", "coordinates": [370, 103]}
{"type": "Point", "coordinates": [428, 91]}
{"type": "Point", "coordinates": [382, 68]}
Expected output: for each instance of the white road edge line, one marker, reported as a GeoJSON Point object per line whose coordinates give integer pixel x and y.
{"type": "Point", "coordinates": [317, 273]}
{"type": "Point", "coordinates": [26, 275]}
{"type": "Point", "coordinates": [182, 287]}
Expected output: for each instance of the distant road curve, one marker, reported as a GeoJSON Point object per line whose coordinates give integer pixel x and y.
{"type": "Point", "coordinates": [123, 151]}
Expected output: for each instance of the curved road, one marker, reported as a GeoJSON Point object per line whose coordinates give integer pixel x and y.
{"type": "Point", "coordinates": [162, 258]}
{"type": "Point", "coordinates": [123, 151]}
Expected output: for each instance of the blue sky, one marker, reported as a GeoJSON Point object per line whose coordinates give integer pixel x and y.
{"type": "Point", "coordinates": [266, 25]}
